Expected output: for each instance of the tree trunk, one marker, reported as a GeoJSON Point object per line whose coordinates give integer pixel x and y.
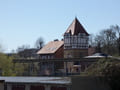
{"type": "Point", "coordinates": [118, 42]}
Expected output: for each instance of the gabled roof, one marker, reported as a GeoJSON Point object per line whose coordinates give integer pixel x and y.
{"type": "Point", "coordinates": [75, 28]}
{"type": "Point", "coordinates": [51, 47]}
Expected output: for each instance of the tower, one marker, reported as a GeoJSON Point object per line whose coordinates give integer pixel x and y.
{"type": "Point", "coordinates": [75, 41]}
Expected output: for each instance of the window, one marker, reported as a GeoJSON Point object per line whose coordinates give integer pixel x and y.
{"type": "Point", "coordinates": [58, 88]}
{"type": "Point", "coordinates": [18, 87]}
{"type": "Point", "coordinates": [37, 88]}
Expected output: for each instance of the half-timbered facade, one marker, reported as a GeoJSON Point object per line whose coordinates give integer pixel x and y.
{"type": "Point", "coordinates": [75, 41]}
{"type": "Point", "coordinates": [79, 41]}
{"type": "Point", "coordinates": [75, 45]}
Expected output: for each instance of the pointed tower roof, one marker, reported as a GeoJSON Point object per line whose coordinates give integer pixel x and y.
{"type": "Point", "coordinates": [75, 28]}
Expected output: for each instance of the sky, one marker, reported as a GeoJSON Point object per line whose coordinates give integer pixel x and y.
{"type": "Point", "coordinates": [22, 22]}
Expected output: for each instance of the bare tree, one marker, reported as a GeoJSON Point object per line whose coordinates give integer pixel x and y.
{"type": "Point", "coordinates": [91, 40]}
{"type": "Point", "coordinates": [105, 41]}
{"type": "Point", "coordinates": [109, 37]}
{"type": "Point", "coordinates": [21, 51]}
{"type": "Point", "coordinates": [22, 48]}
{"type": "Point", "coordinates": [39, 43]}
{"type": "Point", "coordinates": [1, 48]}
{"type": "Point", "coordinates": [117, 29]}
{"type": "Point", "coordinates": [98, 40]}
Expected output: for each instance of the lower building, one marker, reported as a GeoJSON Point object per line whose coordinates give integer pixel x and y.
{"type": "Point", "coordinates": [52, 50]}
{"type": "Point", "coordinates": [35, 83]}
{"type": "Point", "coordinates": [54, 83]}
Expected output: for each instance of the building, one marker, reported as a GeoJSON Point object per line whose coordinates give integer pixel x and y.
{"type": "Point", "coordinates": [35, 83]}
{"type": "Point", "coordinates": [75, 41]}
{"type": "Point", "coordinates": [28, 53]}
{"type": "Point", "coordinates": [52, 50]}
{"type": "Point", "coordinates": [54, 83]}
{"type": "Point", "coordinates": [75, 45]}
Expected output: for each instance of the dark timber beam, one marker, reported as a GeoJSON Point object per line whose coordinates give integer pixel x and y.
{"type": "Point", "coordinates": [58, 60]}
{"type": "Point", "coordinates": [54, 60]}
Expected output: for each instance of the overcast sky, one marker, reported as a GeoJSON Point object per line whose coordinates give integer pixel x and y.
{"type": "Point", "coordinates": [23, 21]}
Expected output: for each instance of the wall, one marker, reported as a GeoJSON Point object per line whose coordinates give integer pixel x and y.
{"type": "Point", "coordinates": [1, 84]}
{"type": "Point", "coordinates": [89, 83]}
{"type": "Point", "coordinates": [38, 86]}
{"type": "Point", "coordinates": [59, 53]}
{"type": "Point", "coordinates": [75, 53]}
{"type": "Point", "coordinates": [46, 68]}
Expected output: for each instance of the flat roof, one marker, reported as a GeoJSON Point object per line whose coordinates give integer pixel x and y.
{"type": "Point", "coordinates": [42, 80]}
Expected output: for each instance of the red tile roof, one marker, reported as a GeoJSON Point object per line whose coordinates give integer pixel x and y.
{"type": "Point", "coordinates": [76, 28]}
{"type": "Point", "coordinates": [51, 47]}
